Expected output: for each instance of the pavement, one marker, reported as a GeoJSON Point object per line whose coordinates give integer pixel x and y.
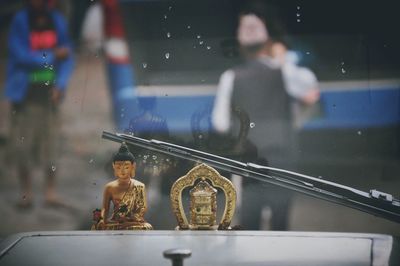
{"type": "Point", "coordinates": [83, 169]}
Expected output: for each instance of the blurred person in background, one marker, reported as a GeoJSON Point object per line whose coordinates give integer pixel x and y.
{"type": "Point", "coordinates": [263, 88]}
{"type": "Point", "coordinates": [39, 66]}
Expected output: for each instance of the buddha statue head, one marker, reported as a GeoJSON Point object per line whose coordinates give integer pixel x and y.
{"type": "Point", "coordinates": [124, 163]}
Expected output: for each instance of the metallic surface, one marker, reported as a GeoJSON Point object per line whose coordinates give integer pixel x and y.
{"type": "Point", "coordinates": [208, 248]}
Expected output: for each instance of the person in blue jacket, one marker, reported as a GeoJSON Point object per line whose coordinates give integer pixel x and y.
{"type": "Point", "coordinates": [39, 66]}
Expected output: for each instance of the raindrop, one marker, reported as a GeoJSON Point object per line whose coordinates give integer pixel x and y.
{"type": "Point", "coordinates": [51, 67]}
{"type": "Point", "coordinates": [297, 14]}
{"type": "Point", "coordinates": [298, 7]}
{"type": "Point", "coordinates": [200, 136]}
{"type": "Point", "coordinates": [145, 157]}
{"type": "Point", "coordinates": [308, 53]}
{"type": "Point", "coordinates": [167, 55]}
{"type": "Point", "coordinates": [91, 161]}
{"type": "Point", "coordinates": [320, 176]}
{"type": "Point", "coordinates": [343, 71]}
{"type": "Point", "coordinates": [46, 65]}
{"type": "Point", "coordinates": [168, 34]}
{"type": "Point", "coordinates": [252, 125]}
{"type": "Point", "coordinates": [359, 133]}
{"type": "Point", "coordinates": [342, 63]}
{"type": "Point", "coordinates": [194, 46]}
{"type": "Point", "coordinates": [144, 64]}
{"type": "Point", "coordinates": [47, 83]}
{"type": "Point", "coordinates": [169, 8]}
{"type": "Point", "coordinates": [201, 42]}
{"type": "Point", "coordinates": [298, 20]}
{"type": "Point", "coordinates": [122, 115]}
{"type": "Point", "coordinates": [144, 161]}
{"type": "Point", "coordinates": [53, 168]}
{"type": "Point", "coordinates": [188, 27]}
{"type": "Point", "coordinates": [208, 47]}
{"type": "Point", "coordinates": [165, 17]}
{"type": "Point", "coordinates": [154, 157]}
{"type": "Point", "coordinates": [198, 36]}
{"type": "Point", "coordinates": [44, 55]}
{"type": "Point", "coordinates": [22, 139]}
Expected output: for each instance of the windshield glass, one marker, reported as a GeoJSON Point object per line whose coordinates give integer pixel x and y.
{"type": "Point", "coordinates": [311, 87]}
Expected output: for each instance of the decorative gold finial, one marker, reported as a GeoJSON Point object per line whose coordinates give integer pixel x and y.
{"type": "Point", "coordinates": [203, 205]}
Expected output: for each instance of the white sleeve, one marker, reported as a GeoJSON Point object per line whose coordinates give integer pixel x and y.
{"type": "Point", "coordinates": [298, 80]}
{"type": "Point", "coordinates": [221, 114]}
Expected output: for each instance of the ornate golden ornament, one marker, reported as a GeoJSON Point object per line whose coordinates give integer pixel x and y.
{"type": "Point", "coordinates": [203, 199]}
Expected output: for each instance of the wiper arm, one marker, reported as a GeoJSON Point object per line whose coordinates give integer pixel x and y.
{"type": "Point", "coordinates": [374, 202]}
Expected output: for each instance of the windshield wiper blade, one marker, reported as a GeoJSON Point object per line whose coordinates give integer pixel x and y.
{"type": "Point", "coordinates": [374, 202]}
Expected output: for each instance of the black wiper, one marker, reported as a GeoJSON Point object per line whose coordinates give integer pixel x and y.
{"type": "Point", "coordinates": [374, 202]}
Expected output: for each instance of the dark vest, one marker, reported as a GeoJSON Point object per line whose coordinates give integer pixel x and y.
{"type": "Point", "coordinates": [259, 91]}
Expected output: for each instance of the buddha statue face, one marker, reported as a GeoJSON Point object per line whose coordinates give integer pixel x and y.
{"type": "Point", "coordinates": [124, 169]}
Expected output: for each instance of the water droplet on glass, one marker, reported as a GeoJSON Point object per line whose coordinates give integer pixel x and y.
{"type": "Point", "coordinates": [201, 42]}
{"type": "Point", "coordinates": [308, 53]}
{"type": "Point", "coordinates": [168, 34]}
{"type": "Point", "coordinates": [44, 55]}
{"type": "Point", "coordinates": [145, 157]}
{"type": "Point", "coordinates": [208, 47]}
{"type": "Point", "coordinates": [359, 133]}
{"type": "Point", "coordinates": [198, 36]}
{"type": "Point", "coordinates": [167, 160]}
{"type": "Point", "coordinates": [298, 7]}
{"type": "Point", "coordinates": [252, 125]}
{"type": "Point", "coordinates": [122, 115]}
{"type": "Point", "coordinates": [200, 136]}
{"type": "Point", "coordinates": [47, 83]}
{"type": "Point", "coordinates": [342, 63]}
{"type": "Point", "coordinates": [167, 55]}
{"type": "Point", "coordinates": [298, 20]}
{"type": "Point", "coordinates": [194, 46]}
{"type": "Point", "coordinates": [297, 14]}
{"type": "Point", "coordinates": [154, 157]}
{"type": "Point", "coordinates": [46, 65]}
{"type": "Point", "coordinates": [320, 176]}
{"type": "Point", "coordinates": [53, 168]}
{"type": "Point", "coordinates": [51, 67]}
{"type": "Point", "coordinates": [188, 27]}
{"type": "Point", "coordinates": [165, 17]}
{"type": "Point", "coordinates": [91, 161]}
{"type": "Point", "coordinates": [169, 8]}
{"type": "Point", "coordinates": [343, 71]}
{"type": "Point", "coordinates": [144, 64]}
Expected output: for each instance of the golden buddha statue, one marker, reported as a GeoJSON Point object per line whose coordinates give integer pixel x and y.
{"type": "Point", "coordinates": [127, 195]}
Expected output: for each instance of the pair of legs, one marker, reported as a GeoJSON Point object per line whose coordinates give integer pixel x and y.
{"type": "Point", "coordinates": [33, 137]}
